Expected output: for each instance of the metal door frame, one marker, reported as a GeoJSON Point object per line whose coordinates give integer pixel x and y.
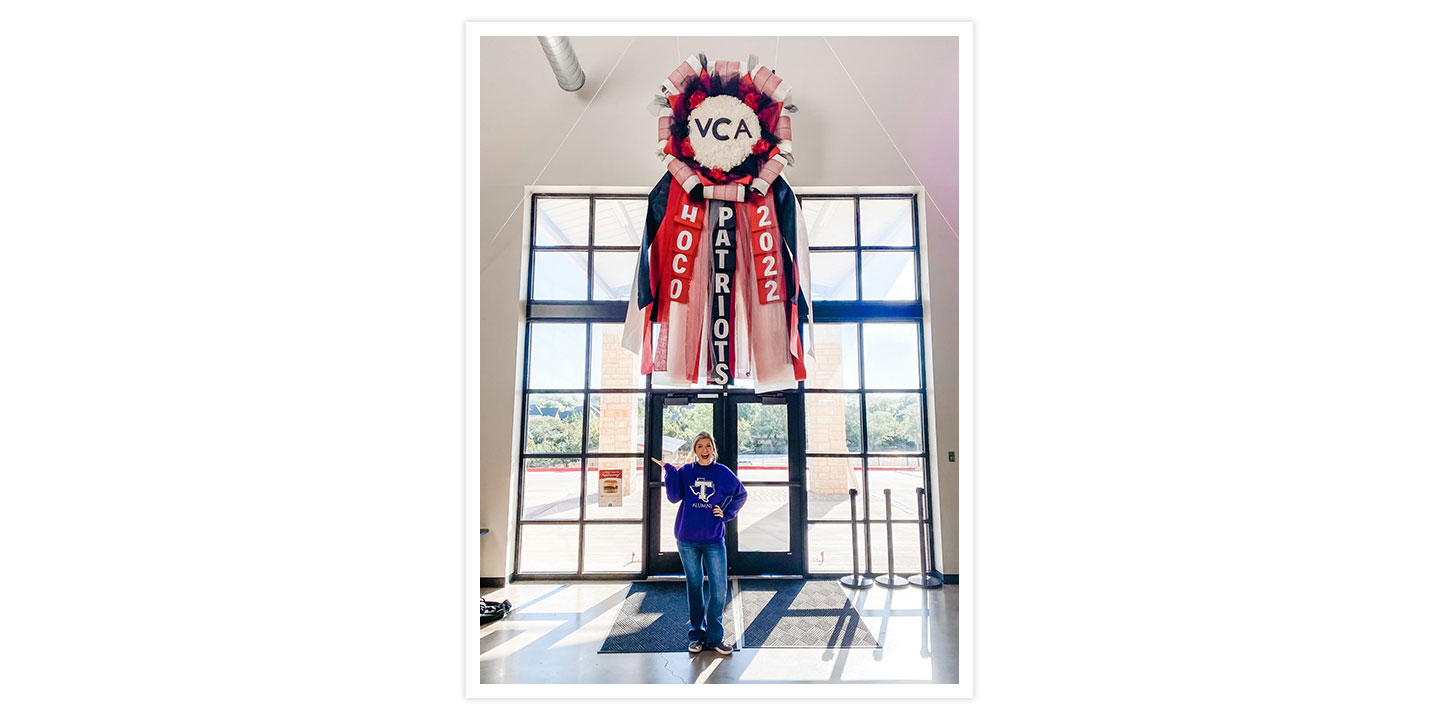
{"type": "Point", "coordinates": [726, 404]}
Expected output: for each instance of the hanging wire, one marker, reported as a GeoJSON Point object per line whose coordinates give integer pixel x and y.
{"type": "Point", "coordinates": [560, 145]}
{"type": "Point", "coordinates": [865, 100]}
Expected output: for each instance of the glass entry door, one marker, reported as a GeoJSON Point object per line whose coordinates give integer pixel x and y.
{"type": "Point", "coordinates": [754, 438]}
{"type": "Point", "coordinates": [676, 420]}
{"type": "Point", "coordinates": [767, 538]}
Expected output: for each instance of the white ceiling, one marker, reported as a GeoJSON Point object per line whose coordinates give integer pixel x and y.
{"type": "Point", "coordinates": [534, 132]}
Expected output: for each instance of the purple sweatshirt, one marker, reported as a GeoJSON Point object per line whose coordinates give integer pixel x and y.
{"type": "Point", "coordinates": [699, 488]}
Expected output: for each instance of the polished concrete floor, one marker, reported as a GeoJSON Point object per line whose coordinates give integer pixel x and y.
{"type": "Point", "coordinates": [554, 631]}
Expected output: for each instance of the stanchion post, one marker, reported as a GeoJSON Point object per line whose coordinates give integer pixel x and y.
{"type": "Point", "coordinates": [924, 579]}
{"type": "Point", "coordinates": [890, 579]}
{"type": "Point", "coordinates": [855, 579]}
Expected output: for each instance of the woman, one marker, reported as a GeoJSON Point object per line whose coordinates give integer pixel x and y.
{"type": "Point", "coordinates": [709, 495]}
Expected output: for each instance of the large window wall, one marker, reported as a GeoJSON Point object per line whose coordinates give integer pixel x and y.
{"type": "Point", "coordinates": [865, 401]}
{"type": "Point", "coordinates": [584, 419]}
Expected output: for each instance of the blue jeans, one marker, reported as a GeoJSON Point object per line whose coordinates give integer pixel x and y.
{"type": "Point", "coordinates": [707, 561]}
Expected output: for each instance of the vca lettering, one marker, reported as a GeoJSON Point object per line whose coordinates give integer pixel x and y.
{"type": "Point", "coordinates": [712, 127]}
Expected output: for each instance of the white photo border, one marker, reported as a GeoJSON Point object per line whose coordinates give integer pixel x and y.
{"type": "Point", "coordinates": [964, 689]}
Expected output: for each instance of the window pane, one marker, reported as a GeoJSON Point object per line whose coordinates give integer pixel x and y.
{"type": "Point", "coordinates": [552, 489]}
{"type": "Point", "coordinates": [562, 221]}
{"type": "Point", "coordinates": [832, 422]}
{"type": "Point", "coordinates": [614, 274]}
{"type": "Point", "coordinates": [559, 275]}
{"type": "Point", "coordinates": [632, 487]}
{"type": "Point", "coordinates": [831, 547]}
{"type": "Point", "coordinates": [886, 221]}
{"type": "Point", "coordinates": [832, 275]}
{"type": "Point", "coordinates": [619, 222]}
{"type": "Point", "coordinates": [612, 366]}
{"type": "Point", "coordinates": [667, 524]}
{"type": "Point", "coordinates": [835, 365]}
{"type": "Point", "coordinates": [617, 423]}
{"type": "Point", "coordinates": [892, 356]}
{"type": "Point", "coordinates": [679, 426]}
{"type": "Point", "coordinates": [888, 275]}
{"type": "Point", "coordinates": [907, 545]}
{"type": "Point", "coordinates": [612, 548]}
{"type": "Point", "coordinates": [827, 483]}
{"type": "Point", "coordinates": [549, 548]}
{"type": "Point", "coordinates": [552, 423]}
{"type": "Point", "coordinates": [829, 222]}
{"type": "Point", "coordinates": [764, 523]}
{"type": "Point", "coordinates": [557, 356]}
{"type": "Point", "coordinates": [892, 421]}
{"type": "Point", "coordinates": [901, 475]}
{"type": "Point", "coordinates": [763, 443]}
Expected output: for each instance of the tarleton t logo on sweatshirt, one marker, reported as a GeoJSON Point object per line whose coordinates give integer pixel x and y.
{"type": "Point", "coordinates": [703, 489]}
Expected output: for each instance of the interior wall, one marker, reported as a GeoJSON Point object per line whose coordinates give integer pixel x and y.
{"type": "Point", "coordinates": [534, 133]}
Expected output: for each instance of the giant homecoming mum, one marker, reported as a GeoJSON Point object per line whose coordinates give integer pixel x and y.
{"type": "Point", "coordinates": [722, 284]}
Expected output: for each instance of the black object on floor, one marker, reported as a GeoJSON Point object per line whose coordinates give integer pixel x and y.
{"type": "Point", "coordinates": [492, 611]}
{"type": "Point", "coordinates": [800, 613]}
{"type": "Point", "coordinates": [655, 617]}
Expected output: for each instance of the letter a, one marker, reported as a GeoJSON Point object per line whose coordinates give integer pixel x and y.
{"type": "Point", "coordinates": [741, 128]}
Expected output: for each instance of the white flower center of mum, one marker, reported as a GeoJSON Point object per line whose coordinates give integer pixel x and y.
{"type": "Point", "coordinates": [722, 131]}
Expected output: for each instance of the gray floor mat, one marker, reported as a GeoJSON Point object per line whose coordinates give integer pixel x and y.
{"type": "Point", "coordinates": [801, 613]}
{"type": "Point", "coordinates": [655, 617]}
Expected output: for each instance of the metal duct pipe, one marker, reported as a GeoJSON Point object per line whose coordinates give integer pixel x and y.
{"type": "Point", "coordinates": [563, 62]}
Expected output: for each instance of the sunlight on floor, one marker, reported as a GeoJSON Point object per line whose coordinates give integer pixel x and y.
{"type": "Point", "coordinates": [525, 632]}
{"type": "Point", "coordinates": [592, 633]}
{"type": "Point", "coordinates": [556, 629]}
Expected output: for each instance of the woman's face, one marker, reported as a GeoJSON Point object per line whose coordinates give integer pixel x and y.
{"type": "Point", "coordinates": [704, 451]}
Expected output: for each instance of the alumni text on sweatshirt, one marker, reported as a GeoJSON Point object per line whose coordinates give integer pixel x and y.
{"type": "Point", "coordinates": [700, 488]}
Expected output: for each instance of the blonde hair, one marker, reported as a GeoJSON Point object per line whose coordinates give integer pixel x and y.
{"type": "Point", "coordinates": [702, 436]}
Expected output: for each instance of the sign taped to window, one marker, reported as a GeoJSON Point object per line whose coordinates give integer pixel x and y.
{"type": "Point", "coordinates": [610, 487]}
